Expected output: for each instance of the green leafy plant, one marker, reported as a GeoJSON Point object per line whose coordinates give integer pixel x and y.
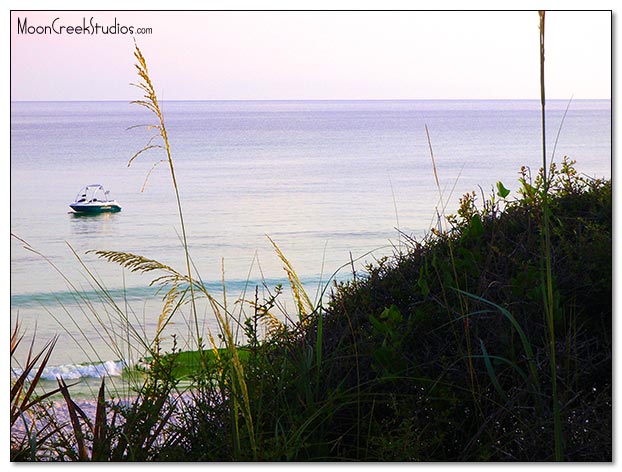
{"type": "Point", "coordinates": [27, 401]}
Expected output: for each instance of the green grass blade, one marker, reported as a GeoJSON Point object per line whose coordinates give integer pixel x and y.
{"type": "Point", "coordinates": [491, 371]}
{"type": "Point", "coordinates": [523, 337]}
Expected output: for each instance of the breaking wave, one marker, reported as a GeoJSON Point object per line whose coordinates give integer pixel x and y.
{"type": "Point", "coordinates": [78, 371]}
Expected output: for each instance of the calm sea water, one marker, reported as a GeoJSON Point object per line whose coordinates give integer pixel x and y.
{"type": "Point", "coordinates": [326, 180]}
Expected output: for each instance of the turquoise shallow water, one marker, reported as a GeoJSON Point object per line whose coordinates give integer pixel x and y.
{"type": "Point", "coordinates": [326, 180]}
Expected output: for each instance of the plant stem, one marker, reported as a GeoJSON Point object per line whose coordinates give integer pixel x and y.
{"type": "Point", "coordinates": [548, 294]}
{"type": "Point", "coordinates": [152, 104]}
{"type": "Point", "coordinates": [183, 229]}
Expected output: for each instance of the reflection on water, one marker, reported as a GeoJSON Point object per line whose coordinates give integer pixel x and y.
{"type": "Point", "coordinates": [92, 223]}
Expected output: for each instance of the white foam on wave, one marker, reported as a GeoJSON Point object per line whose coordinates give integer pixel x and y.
{"type": "Point", "coordinates": [78, 371]}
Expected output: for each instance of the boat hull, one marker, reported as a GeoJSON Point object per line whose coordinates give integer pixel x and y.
{"type": "Point", "coordinates": [95, 208]}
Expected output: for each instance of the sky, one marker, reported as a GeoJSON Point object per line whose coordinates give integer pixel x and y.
{"type": "Point", "coordinates": [263, 55]}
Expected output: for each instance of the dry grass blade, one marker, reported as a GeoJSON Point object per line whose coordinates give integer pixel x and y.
{"type": "Point", "coordinates": [305, 307]}
{"type": "Point", "coordinates": [236, 369]}
{"type": "Point", "coordinates": [142, 189]}
{"type": "Point", "coordinates": [438, 184]}
{"type": "Point", "coordinates": [134, 263]}
{"type": "Point", "coordinates": [150, 102]}
{"type": "Point", "coordinates": [172, 300]}
{"type": "Point", "coordinates": [146, 148]}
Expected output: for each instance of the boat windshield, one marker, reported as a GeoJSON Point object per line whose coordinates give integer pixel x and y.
{"type": "Point", "coordinates": [93, 193]}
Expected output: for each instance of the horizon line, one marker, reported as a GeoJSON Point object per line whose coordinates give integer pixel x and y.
{"type": "Point", "coordinates": [307, 99]}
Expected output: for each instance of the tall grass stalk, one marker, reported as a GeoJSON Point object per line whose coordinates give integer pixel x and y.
{"type": "Point", "coordinates": [549, 303]}
{"type": "Point", "coordinates": [240, 396]}
{"type": "Point", "coordinates": [303, 302]}
{"type": "Point", "coordinates": [151, 103]}
{"type": "Point", "coordinates": [463, 301]}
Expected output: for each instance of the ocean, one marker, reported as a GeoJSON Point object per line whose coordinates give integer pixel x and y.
{"type": "Point", "coordinates": [335, 184]}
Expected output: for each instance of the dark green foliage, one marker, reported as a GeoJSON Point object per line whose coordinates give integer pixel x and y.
{"type": "Point", "coordinates": [460, 318]}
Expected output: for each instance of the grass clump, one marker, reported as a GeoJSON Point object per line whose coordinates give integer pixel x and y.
{"type": "Point", "coordinates": [404, 330]}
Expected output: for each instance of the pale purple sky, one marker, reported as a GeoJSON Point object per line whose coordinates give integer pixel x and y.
{"type": "Point", "coordinates": [315, 55]}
